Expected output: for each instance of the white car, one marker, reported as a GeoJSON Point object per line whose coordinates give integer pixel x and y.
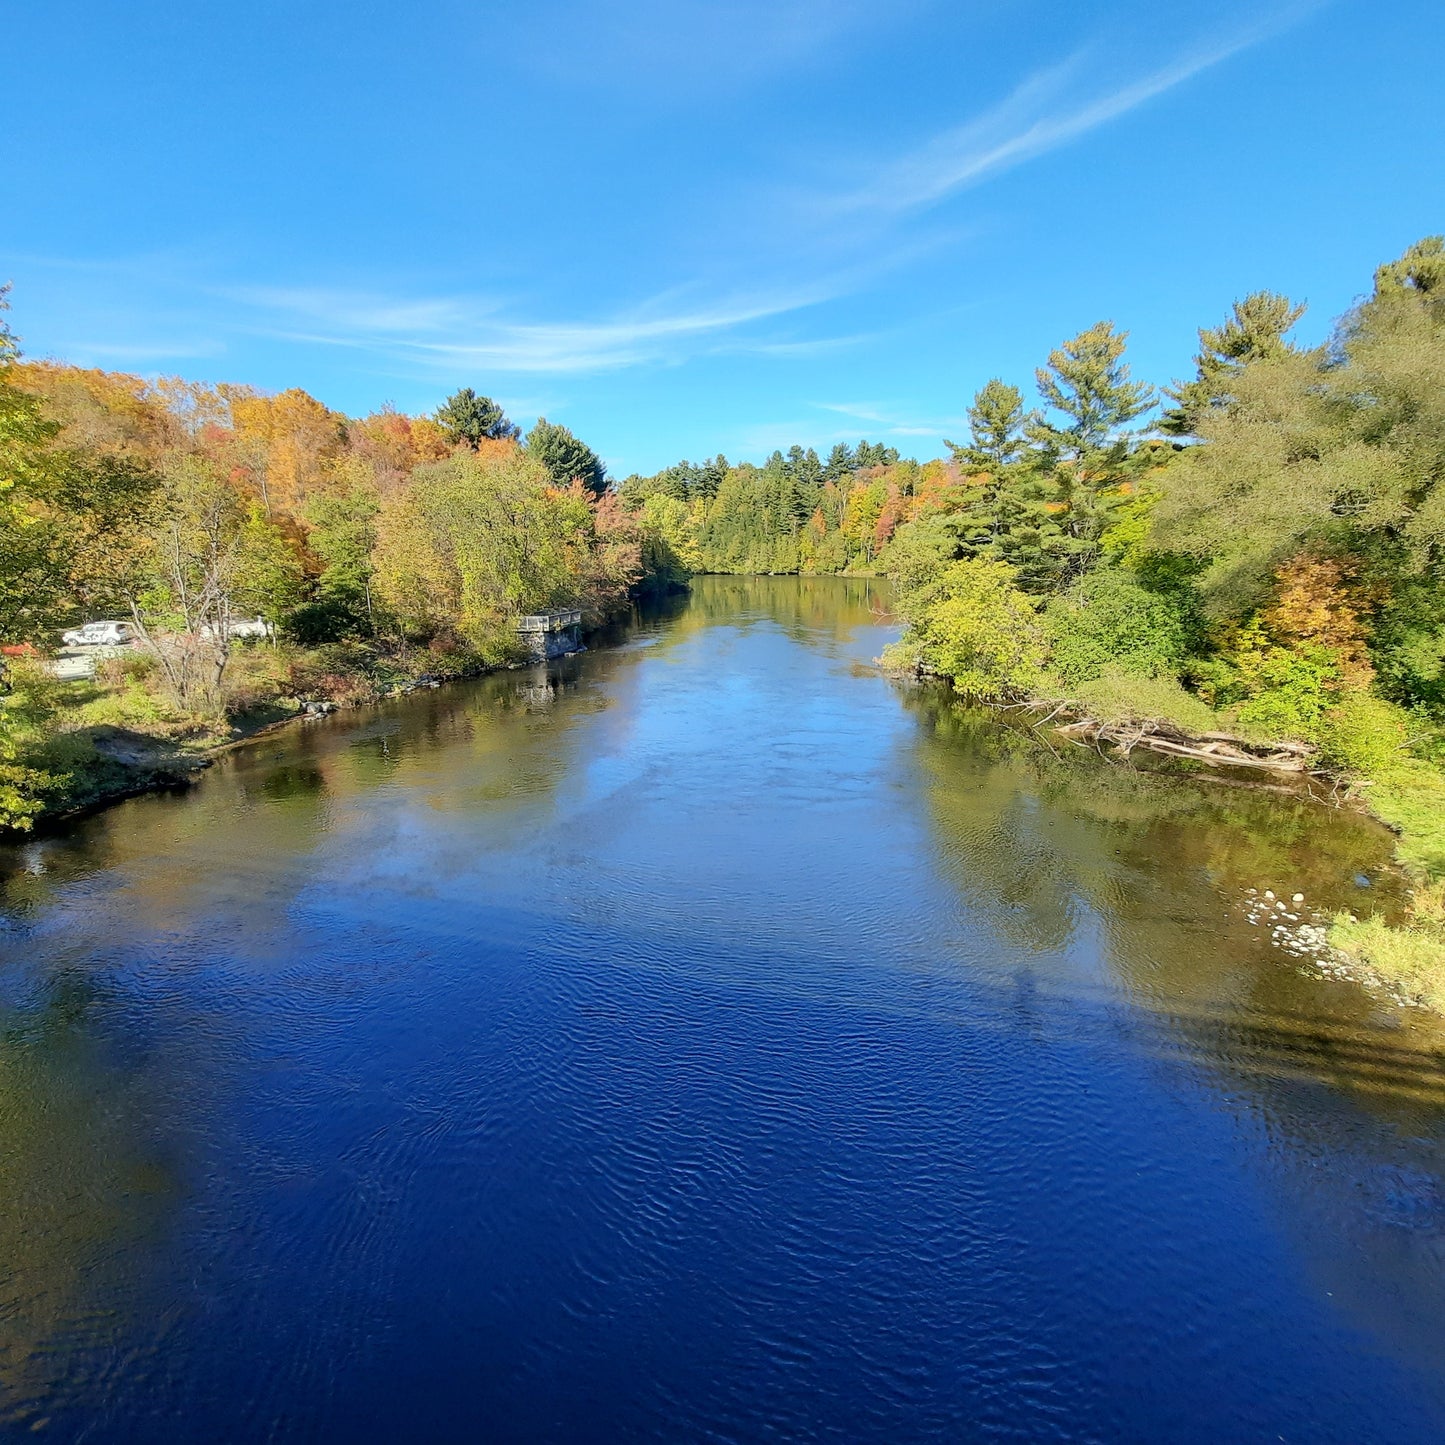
{"type": "Point", "coordinates": [241, 627]}
{"type": "Point", "coordinates": [100, 634]}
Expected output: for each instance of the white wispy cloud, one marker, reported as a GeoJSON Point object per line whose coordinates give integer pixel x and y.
{"type": "Point", "coordinates": [159, 310]}
{"type": "Point", "coordinates": [1048, 110]}
{"type": "Point", "coordinates": [446, 333]}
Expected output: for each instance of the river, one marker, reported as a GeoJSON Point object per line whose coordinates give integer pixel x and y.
{"type": "Point", "coordinates": [708, 1039]}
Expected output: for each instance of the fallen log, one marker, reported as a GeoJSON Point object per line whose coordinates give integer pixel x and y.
{"type": "Point", "coordinates": [1158, 736]}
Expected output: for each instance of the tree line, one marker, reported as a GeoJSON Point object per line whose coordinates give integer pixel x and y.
{"type": "Point", "coordinates": [373, 547]}
{"type": "Point", "coordinates": [795, 513]}
{"type": "Point", "coordinates": [1271, 547]}
{"type": "Point", "coordinates": [1265, 563]}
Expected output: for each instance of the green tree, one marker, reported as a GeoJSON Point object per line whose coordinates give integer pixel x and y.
{"type": "Point", "coordinates": [1107, 620]}
{"type": "Point", "coordinates": [26, 721]}
{"type": "Point", "coordinates": [1418, 275]}
{"type": "Point", "coordinates": [29, 476]}
{"type": "Point", "coordinates": [473, 542]}
{"type": "Point", "coordinates": [840, 462]}
{"type": "Point", "coordinates": [343, 537]}
{"type": "Point", "coordinates": [1255, 330]}
{"type": "Point", "coordinates": [1087, 383]}
{"type": "Point", "coordinates": [1008, 512]}
{"type": "Point", "coordinates": [870, 454]}
{"type": "Point", "coordinates": [566, 459]}
{"type": "Point", "coordinates": [996, 421]}
{"type": "Point", "coordinates": [973, 625]}
{"type": "Point", "coordinates": [1341, 448]}
{"type": "Point", "coordinates": [467, 417]}
{"type": "Point", "coordinates": [267, 571]}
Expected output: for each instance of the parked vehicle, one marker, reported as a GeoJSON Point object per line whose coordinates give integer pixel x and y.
{"type": "Point", "coordinates": [100, 634]}
{"type": "Point", "coordinates": [242, 627]}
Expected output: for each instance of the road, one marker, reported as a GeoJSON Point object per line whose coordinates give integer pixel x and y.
{"type": "Point", "coordinates": [75, 664]}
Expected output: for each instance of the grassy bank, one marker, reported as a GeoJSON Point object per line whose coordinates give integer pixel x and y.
{"type": "Point", "coordinates": [69, 747]}
{"type": "Point", "coordinates": [1362, 750]}
{"type": "Point", "coordinates": [1410, 955]}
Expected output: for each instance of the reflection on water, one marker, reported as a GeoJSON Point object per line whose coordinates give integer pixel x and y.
{"type": "Point", "coordinates": [706, 1037]}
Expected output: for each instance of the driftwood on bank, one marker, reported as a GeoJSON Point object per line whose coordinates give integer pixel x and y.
{"type": "Point", "coordinates": [1221, 750]}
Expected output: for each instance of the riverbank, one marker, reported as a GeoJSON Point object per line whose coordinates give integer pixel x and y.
{"type": "Point", "coordinates": [84, 745]}
{"type": "Point", "coordinates": [1402, 959]}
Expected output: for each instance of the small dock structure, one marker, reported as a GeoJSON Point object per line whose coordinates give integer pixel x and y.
{"type": "Point", "coordinates": [551, 634]}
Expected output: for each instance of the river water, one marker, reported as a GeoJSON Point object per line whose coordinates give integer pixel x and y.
{"type": "Point", "coordinates": [707, 1039]}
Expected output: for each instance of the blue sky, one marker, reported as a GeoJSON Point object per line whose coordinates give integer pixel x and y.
{"type": "Point", "coordinates": [684, 226]}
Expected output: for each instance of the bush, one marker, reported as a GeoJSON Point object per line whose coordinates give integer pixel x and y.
{"type": "Point", "coordinates": [974, 626]}
{"type": "Point", "coordinates": [27, 722]}
{"type": "Point", "coordinates": [1107, 620]}
{"type": "Point", "coordinates": [1364, 735]}
{"type": "Point", "coordinates": [1287, 691]}
{"type": "Point", "coordinates": [1122, 697]}
{"type": "Point", "coordinates": [137, 666]}
{"type": "Point", "coordinates": [257, 677]}
{"type": "Point", "coordinates": [340, 672]}
{"type": "Point", "coordinates": [917, 554]}
{"type": "Point", "coordinates": [332, 618]}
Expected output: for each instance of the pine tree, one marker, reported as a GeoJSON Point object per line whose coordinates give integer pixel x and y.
{"type": "Point", "coordinates": [996, 421]}
{"type": "Point", "coordinates": [467, 417]}
{"type": "Point", "coordinates": [565, 457]}
{"type": "Point", "coordinates": [1420, 270]}
{"type": "Point", "coordinates": [871, 455]}
{"type": "Point", "coordinates": [1087, 453]}
{"type": "Point", "coordinates": [840, 462]}
{"type": "Point", "coordinates": [1254, 331]}
{"type": "Point", "coordinates": [1006, 516]}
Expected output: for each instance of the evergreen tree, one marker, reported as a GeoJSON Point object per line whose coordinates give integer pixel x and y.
{"type": "Point", "coordinates": [707, 478]}
{"type": "Point", "coordinates": [1006, 515]}
{"type": "Point", "coordinates": [1087, 453]}
{"type": "Point", "coordinates": [1421, 271]}
{"type": "Point", "coordinates": [1254, 331]}
{"type": "Point", "coordinates": [874, 454]}
{"type": "Point", "coordinates": [804, 466]}
{"type": "Point", "coordinates": [566, 458]}
{"type": "Point", "coordinates": [996, 422]}
{"type": "Point", "coordinates": [840, 462]}
{"type": "Point", "coordinates": [467, 417]}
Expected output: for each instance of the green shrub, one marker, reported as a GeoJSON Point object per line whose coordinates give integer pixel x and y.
{"type": "Point", "coordinates": [1288, 690]}
{"type": "Point", "coordinates": [258, 677]}
{"type": "Point", "coordinates": [1107, 620]}
{"type": "Point", "coordinates": [27, 721]}
{"type": "Point", "coordinates": [330, 618]}
{"type": "Point", "coordinates": [136, 665]}
{"type": "Point", "coordinates": [1122, 697]}
{"type": "Point", "coordinates": [1363, 734]}
{"type": "Point", "coordinates": [974, 626]}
